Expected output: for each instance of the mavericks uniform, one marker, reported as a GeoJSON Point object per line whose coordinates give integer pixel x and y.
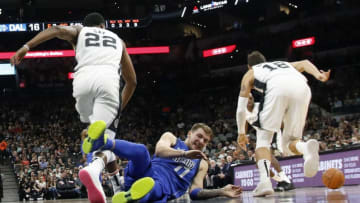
{"type": "Point", "coordinates": [173, 176]}
{"type": "Point", "coordinates": [285, 98]}
{"type": "Point", "coordinates": [96, 85]}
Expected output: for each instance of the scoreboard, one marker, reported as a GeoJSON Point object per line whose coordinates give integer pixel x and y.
{"type": "Point", "coordinates": [40, 26]}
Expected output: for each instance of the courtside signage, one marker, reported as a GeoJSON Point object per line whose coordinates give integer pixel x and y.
{"type": "Point", "coordinates": [348, 162]}
{"type": "Point", "coordinates": [71, 53]}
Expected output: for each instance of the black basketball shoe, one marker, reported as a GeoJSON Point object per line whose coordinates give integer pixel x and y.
{"type": "Point", "coordinates": [284, 186]}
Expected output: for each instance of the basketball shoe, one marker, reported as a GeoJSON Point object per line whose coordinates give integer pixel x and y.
{"type": "Point", "coordinates": [263, 188]}
{"type": "Point", "coordinates": [92, 142]}
{"type": "Point", "coordinates": [137, 191]}
{"type": "Point", "coordinates": [311, 158]}
{"type": "Point", "coordinates": [90, 179]}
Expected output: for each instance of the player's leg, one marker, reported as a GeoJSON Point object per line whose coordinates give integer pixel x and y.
{"type": "Point", "coordinates": [104, 110]}
{"type": "Point", "coordinates": [139, 166]}
{"type": "Point", "coordinates": [276, 165]}
{"type": "Point", "coordinates": [294, 123]}
{"type": "Point", "coordinates": [137, 153]}
{"type": "Point", "coordinates": [272, 175]}
{"type": "Point", "coordinates": [113, 167]}
{"type": "Point", "coordinates": [84, 104]}
{"type": "Point", "coordinates": [284, 183]}
{"type": "Point", "coordinates": [270, 116]}
{"type": "Point", "coordinates": [115, 176]}
{"type": "Point", "coordinates": [90, 175]}
{"type": "Point", "coordinates": [263, 161]}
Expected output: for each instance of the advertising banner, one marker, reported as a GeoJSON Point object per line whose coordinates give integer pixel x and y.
{"type": "Point", "coordinates": [247, 176]}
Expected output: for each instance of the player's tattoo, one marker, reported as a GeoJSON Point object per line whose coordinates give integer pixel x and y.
{"type": "Point", "coordinates": [206, 194]}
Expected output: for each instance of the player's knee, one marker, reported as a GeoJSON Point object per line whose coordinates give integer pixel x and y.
{"type": "Point", "coordinates": [263, 139]}
{"type": "Point", "coordinates": [141, 149]}
{"type": "Point", "coordinates": [262, 144]}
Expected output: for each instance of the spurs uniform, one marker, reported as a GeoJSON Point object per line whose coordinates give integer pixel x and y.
{"type": "Point", "coordinates": [252, 116]}
{"type": "Point", "coordinates": [96, 85]}
{"type": "Point", "coordinates": [285, 98]}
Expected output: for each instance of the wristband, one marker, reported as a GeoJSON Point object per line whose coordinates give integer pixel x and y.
{"type": "Point", "coordinates": [194, 194]}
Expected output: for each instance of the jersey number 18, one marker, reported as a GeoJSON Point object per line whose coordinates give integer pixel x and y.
{"type": "Point", "coordinates": [278, 64]}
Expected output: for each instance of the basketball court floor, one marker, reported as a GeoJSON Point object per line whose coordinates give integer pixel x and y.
{"type": "Point", "coordinates": [316, 194]}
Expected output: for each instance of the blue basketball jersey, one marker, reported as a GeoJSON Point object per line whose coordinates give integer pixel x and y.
{"type": "Point", "coordinates": [176, 174]}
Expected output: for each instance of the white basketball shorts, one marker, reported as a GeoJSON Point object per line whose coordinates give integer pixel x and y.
{"type": "Point", "coordinates": [96, 91]}
{"type": "Point", "coordinates": [286, 100]}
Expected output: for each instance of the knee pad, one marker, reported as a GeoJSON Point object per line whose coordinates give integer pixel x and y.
{"type": "Point", "coordinates": [263, 138]}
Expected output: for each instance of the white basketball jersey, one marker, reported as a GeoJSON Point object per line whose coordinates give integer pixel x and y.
{"type": "Point", "coordinates": [264, 72]}
{"type": "Point", "coordinates": [96, 46]}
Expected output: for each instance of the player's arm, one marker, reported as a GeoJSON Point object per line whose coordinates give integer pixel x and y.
{"type": "Point", "coordinates": [68, 33]}
{"type": "Point", "coordinates": [129, 75]}
{"type": "Point", "coordinates": [198, 193]}
{"type": "Point", "coordinates": [164, 146]}
{"type": "Point", "coordinates": [164, 149]}
{"type": "Point", "coordinates": [247, 84]}
{"type": "Point", "coordinates": [307, 66]}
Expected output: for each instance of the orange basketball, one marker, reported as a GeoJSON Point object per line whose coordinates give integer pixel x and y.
{"type": "Point", "coordinates": [333, 178]}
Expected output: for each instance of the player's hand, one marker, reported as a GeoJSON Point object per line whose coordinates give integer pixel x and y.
{"type": "Point", "coordinates": [18, 56]}
{"type": "Point", "coordinates": [324, 76]}
{"type": "Point", "coordinates": [195, 154]}
{"type": "Point", "coordinates": [231, 191]}
{"type": "Point", "coordinates": [242, 140]}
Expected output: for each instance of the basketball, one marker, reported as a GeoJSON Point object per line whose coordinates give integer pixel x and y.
{"type": "Point", "coordinates": [333, 178]}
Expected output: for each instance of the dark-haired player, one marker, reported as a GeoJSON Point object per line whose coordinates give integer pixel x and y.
{"type": "Point", "coordinates": [284, 183]}
{"type": "Point", "coordinates": [96, 86]}
{"type": "Point", "coordinates": [285, 99]}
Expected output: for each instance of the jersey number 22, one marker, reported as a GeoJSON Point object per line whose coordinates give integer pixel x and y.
{"type": "Point", "coordinates": [93, 40]}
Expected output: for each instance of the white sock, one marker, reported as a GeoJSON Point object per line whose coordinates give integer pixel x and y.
{"type": "Point", "coordinates": [116, 182]}
{"type": "Point", "coordinates": [97, 165]}
{"type": "Point", "coordinates": [301, 146]}
{"type": "Point", "coordinates": [284, 177]}
{"type": "Point", "coordinates": [264, 169]}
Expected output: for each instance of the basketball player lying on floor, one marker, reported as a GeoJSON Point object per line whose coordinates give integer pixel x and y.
{"type": "Point", "coordinates": [176, 166]}
{"type": "Point", "coordinates": [284, 183]}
